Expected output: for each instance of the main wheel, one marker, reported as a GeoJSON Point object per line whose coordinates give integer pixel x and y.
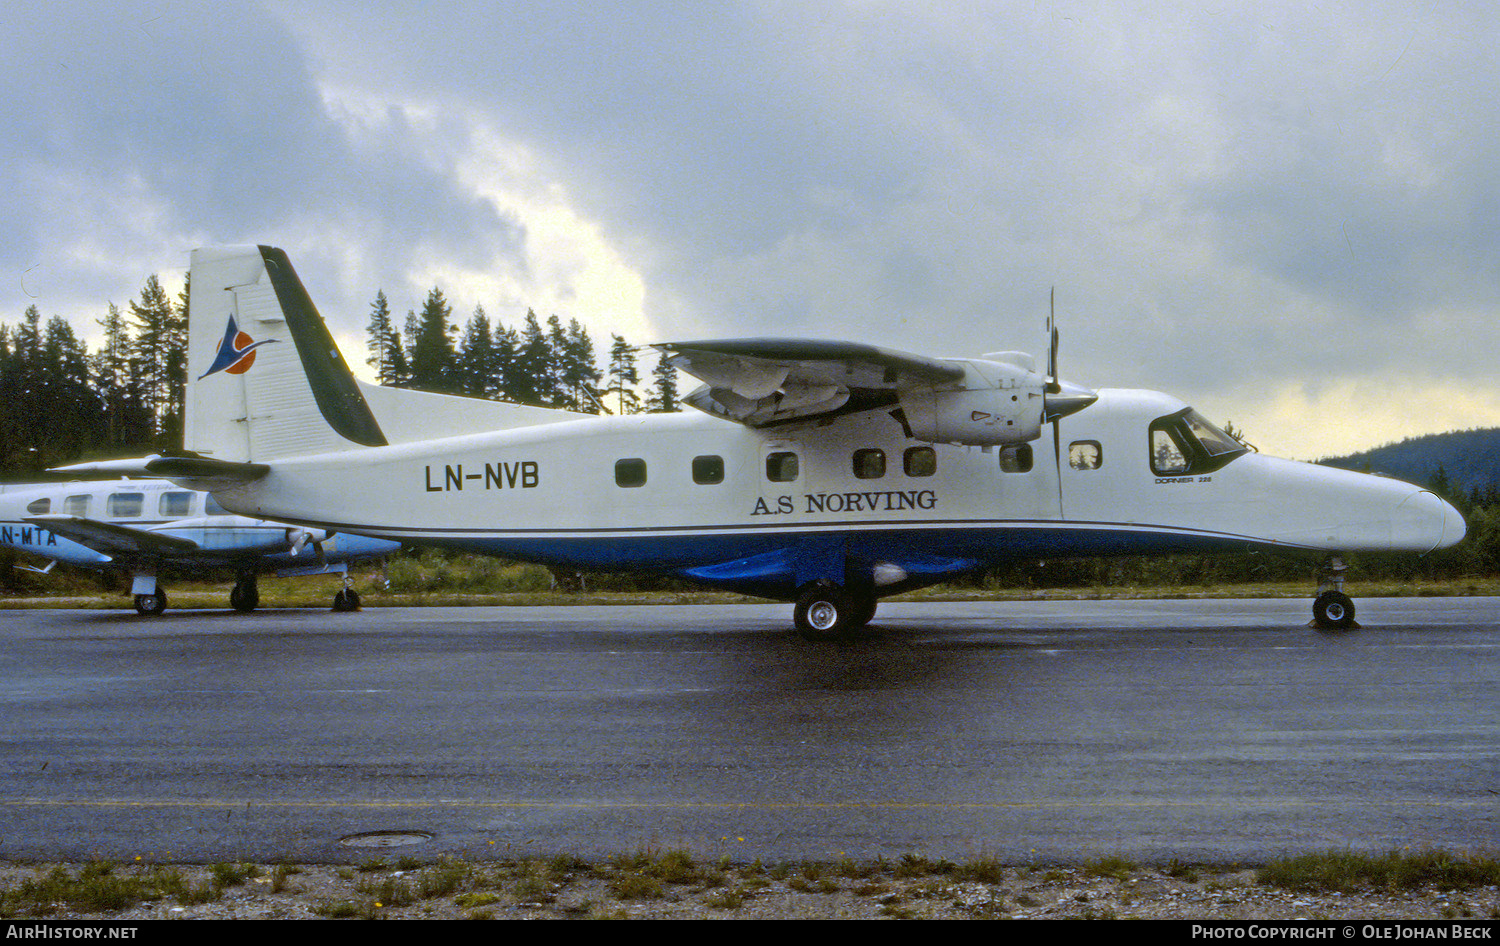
{"type": "Point", "coordinates": [822, 613]}
{"type": "Point", "coordinates": [347, 599]}
{"type": "Point", "coordinates": [1333, 610]}
{"type": "Point", "coordinates": [153, 603]}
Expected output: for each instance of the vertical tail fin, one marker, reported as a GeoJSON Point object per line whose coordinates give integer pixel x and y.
{"type": "Point", "coordinates": [265, 379]}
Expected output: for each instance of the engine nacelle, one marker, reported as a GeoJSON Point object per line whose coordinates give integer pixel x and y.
{"type": "Point", "coordinates": [998, 404]}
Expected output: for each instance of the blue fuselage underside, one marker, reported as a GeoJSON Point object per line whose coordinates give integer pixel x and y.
{"type": "Point", "coordinates": [775, 564]}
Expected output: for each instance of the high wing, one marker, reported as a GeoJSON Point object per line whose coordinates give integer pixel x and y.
{"type": "Point", "coordinates": [763, 381]}
{"type": "Point", "coordinates": [110, 538]}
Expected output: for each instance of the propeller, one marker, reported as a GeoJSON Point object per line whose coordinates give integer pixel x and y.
{"type": "Point", "coordinates": [1060, 398]}
{"type": "Point", "coordinates": [298, 540]}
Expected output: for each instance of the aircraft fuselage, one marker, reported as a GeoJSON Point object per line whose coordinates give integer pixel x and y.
{"type": "Point", "coordinates": [854, 500]}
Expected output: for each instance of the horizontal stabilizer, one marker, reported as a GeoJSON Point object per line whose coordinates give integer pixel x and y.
{"type": "Point", "coordinates": [199, 472]}
{"type": "Point", "coordinates": [110, 538]}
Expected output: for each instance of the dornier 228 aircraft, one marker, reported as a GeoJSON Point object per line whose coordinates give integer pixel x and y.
{"type": "Point", "coordinates": [823, 473]}
{"type": "Point", "coordinates": [140, 526]}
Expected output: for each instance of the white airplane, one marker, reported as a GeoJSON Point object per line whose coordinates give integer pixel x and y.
{"type": "Point", "coordinates": [825, 473]}
{"type": "Point", "coordinates": [139, 526]}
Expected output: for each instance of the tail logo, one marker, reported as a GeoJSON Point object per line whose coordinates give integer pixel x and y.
{"type": "Point", "coordinates": [236, 352]}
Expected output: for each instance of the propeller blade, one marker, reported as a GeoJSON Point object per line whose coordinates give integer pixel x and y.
{"type": "Point", "coordinates": [1052, 338]}
{"type": "Point", "coordinates": [1059, 399]}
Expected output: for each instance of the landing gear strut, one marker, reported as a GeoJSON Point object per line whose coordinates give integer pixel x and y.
{"type": "Point", "coordinates": [1332, 609]}
{"type": "Point", "coordinates": [827, 612]}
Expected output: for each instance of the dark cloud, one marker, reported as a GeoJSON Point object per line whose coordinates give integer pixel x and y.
{"type": "Point", "coordinates": [206, 118]}
{"type": "Point", "coordinates": [1248, 195]}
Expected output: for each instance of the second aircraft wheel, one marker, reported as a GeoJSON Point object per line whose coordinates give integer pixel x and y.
{"type": "Point", "coordinates": [1333, 610]}
{"type": "Point", "coordinates": [244, 596]}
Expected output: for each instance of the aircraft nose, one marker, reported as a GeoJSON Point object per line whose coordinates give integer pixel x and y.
{"type": "Point", "coordinates": [1424, 522]}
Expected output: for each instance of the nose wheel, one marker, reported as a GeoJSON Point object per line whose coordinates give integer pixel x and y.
{"type": "Point", "coordinates": [1332, 609]}
{"type": "Point", "coordinates": [347, 598]}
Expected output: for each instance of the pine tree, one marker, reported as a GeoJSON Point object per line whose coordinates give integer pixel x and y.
{"type": "Point", "coordinates": [663, 398]}
{"type": "Point", "coordinates": [434, 361]}
{"type": "Point", "coordinates": [383, 342]}
{"type": "Point", "coordinates": [507, 353]}
{"type": "Point", "coordinates": [68, 402]}
{"type": "Point", "coordinates": [160, 346]}
{"type": "Point", "coordinates": [117, 377]}
{"type": "Point", "coordinates": [623, 376]}
{"type": "Point", "coordinates": [579, 373]}
{"type": "Point", "coordinates": [533, 366]}
{"type": "Point", "coordinates": [477, 374]}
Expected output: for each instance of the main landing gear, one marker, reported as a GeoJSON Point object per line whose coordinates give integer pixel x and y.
{"type": "Point", "coordinates": [826, 611]}
{"type": "Point", "coordinates": [1332, 609]}
{"type": "Point", "coordinates": [153, 602]}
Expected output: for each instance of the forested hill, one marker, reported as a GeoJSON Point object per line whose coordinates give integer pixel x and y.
{"type": "Point", "coordinates": [1470, 459]}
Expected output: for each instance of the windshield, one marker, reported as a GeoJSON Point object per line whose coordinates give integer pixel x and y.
{"type": "Point", "coordinates": [1185, 443]}
{"type": "Point", "coordinates": [1213, 440]}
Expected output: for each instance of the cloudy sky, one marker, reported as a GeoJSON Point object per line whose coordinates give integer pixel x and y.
{"type": "Point", "coordinates": [1284, 213]}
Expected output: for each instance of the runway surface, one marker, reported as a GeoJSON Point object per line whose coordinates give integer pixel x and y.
{"type": "Point", "coordinates": [1032, 731]}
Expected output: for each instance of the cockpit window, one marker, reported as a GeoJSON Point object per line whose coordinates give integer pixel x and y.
{"type": "Point", "coordinates": [1185, 443]}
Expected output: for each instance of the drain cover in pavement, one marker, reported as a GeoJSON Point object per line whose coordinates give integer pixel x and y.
{"type": "Point", "coordinates": [385, 839]}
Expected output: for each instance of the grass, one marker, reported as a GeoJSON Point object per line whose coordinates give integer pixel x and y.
{"type": "Point", "coordinates": [1348, 871]}
{"type": "Point", "coordinates": [102, 886]}
{"type": "Point", "coordinates": [651, 874]}
{"type": "Point", "coordinates": [432, 578]}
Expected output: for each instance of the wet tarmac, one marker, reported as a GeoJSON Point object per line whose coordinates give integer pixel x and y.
{"type": "Point", "coordinates": [1218, 731]}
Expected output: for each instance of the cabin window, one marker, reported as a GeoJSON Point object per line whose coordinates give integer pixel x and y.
{"type": "Point", "coordinates": [919, 461]}
{"type": "Point", "coordinates": [39, 507]}
{"type": "Point", "coordinates": [1185, 444]}
{"type": "Point", "coordinates": [124, 505]}
{"type": "Point", "coordinates": [76, 506]}
{"type": "Point", "coordinates": [211, 506]}
{"type": "Point", "coordinates": [1085, 455]}
{"type": "Point", "coordinates": [781, 467]}
{"type": "Point", "coordinates": [175, 505]}
{"type": "Point", "coordinates": [869, 464]}
{"type": "Point", "coordinates": [708, 470]}
{"type": "Point", "coordinates": [631, 472]}
{"type": "Point", "coordinates": [1016, 458]}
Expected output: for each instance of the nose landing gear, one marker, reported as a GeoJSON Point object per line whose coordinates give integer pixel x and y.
{"type": "Point", "coordinates": [1332, 609]}
{"type": "Point", "coordinates": [347, 598]}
